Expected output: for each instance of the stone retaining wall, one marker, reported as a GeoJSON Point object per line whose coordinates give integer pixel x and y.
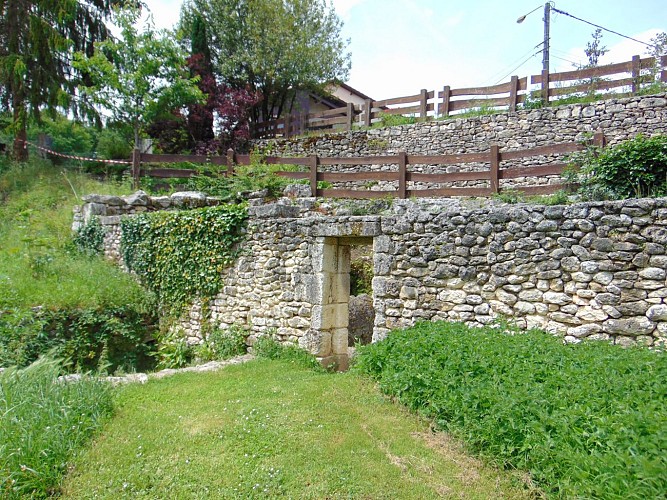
{"type": "Point", "coordinates": [593, 270]}
{"type": "Point", "coordinates": [618, 119]}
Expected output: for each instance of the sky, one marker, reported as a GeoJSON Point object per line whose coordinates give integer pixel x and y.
{"type": "Point", "coordinates": [399, 47]}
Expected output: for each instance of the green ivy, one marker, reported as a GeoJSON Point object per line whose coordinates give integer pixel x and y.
{"type": "Point", "coordinates": [89, 239]}
{"type": "Point", "coordinates": [181, 255]}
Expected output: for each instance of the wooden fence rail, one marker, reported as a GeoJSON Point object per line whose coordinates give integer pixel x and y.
{"type": "Point", "coordinates": [402, 176]}
{"type": "Point", "coordinates": [632, 74]}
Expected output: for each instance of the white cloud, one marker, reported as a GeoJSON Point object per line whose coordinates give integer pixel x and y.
{"type": "Point", "coordinates": [343, 7]}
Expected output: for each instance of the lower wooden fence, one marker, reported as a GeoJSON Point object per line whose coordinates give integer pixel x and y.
{"type": "Point", "coordinates": [402, 176]}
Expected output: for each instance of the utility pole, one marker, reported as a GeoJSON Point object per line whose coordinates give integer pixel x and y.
{"type": "Point", "coordinates": [547, 23]}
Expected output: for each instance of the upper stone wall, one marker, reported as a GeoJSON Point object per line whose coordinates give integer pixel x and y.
{"type": "Point", "coordinates": [619, 119]}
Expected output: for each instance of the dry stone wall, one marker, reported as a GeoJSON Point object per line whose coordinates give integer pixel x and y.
{"type": "Point", "coordinates": [618, 119]}
{"type": "Point", "coordinates": [594, 270]}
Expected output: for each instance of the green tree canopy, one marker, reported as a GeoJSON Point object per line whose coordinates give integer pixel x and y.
{"type": "Point", "coordinates": [37, 39]}
{"type": "Point", "coordinates": [276, 47]}
{"type": "Point", "coordinates": [138, 76]}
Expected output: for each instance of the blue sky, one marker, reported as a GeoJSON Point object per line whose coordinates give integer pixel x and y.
{"type": "Point", "coordinates": [401, 46]}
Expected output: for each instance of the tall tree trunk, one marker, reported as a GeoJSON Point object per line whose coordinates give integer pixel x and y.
{"type": "Point", "coordinates": [20, 152]}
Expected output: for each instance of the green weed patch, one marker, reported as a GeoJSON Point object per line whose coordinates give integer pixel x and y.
{"type": "Point", "coordinates": [587, 421]}
{"type": "Point", "coordinates": [43, 423]}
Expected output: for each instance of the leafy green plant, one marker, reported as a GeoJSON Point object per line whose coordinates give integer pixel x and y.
{"type": "Point", "coordinates": [43, 424]}
{"type": "Point", "coordinates": [181, 255]}
{"type": "Point", "coordinates": [269, 348]}
{"type": "Point", "coordinates": [570, 414]}
{"type": "Point", "coordinates": [361, 276]}
{"type": "Point", "coordinates": [222, 344]}
{"type": "Point", "coordinates": [560, 197]}
{"type": "Point", "coordinates": [89, 239]}
{"type": "Point", "coordinates": [509, 195]}
{"type": "Point", "coordinates": [87, 339]}
{"type": "Point", "coordinates": [257, 176]}
{"type": "Point", "coordinates": [173, 350]}
{"type": "Point", "coordinates": [633, 168]}
{"type": "Point", "coordinates": [392, 120]}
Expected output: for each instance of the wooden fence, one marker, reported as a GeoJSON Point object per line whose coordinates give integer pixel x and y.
{"type": "Point", "coordinates": [631, 74]}
{"type": "Point", "coordinates": [401, 176]}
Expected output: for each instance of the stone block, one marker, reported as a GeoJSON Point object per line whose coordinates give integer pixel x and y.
{"type": "Point", "coordinates": [316, 342]}
{"type": "Point", "coordinates": [325, 317]}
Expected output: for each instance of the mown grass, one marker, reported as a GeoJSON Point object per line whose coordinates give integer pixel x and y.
{"type": "Point", "coordinates": [274, 428]}
{"type": "Point", "coordinates": [43, 423]}
{"type": "Point", "coordinates": [587, 421]}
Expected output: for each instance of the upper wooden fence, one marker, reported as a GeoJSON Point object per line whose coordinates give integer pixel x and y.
{"type": "Point", "coordinates": [400, 176]}
{"type": "Point", "coordinates": [629, 75]}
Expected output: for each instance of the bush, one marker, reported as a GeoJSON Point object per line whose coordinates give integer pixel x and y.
{"type": "Point", "coordinates": [43, 422]}
{"type": "Point", "coordinates": [173, 351]}
{"type": "Point", "coordinates": [222, 344]}
{"type": "Point", "coordinates": [633, 168]}
{"type": "Point", "coordinates": [587, 421]}
{"type": "Point", "coordinates": [112, 338]}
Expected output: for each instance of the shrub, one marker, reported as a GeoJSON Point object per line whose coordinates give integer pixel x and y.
{"type": "Point", "coordinates": [173, 350]}
{"type": "Point", "coordinates": [588, 420]}
{"type": "Point", "coordinates": [43, 422]}
{"type": "Point", "coordinates": [633, 168]}
{"type": "Point", "coordinates": [104, 338]}
{"type": "Point", "coordinates": [222, 344]}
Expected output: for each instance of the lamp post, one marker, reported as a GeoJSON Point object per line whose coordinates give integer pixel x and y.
{"type": "Point", "coordinates": [547, 24]}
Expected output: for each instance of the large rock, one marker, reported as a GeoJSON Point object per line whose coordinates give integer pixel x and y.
{"type": "Point", "coordinates": [362, 317]}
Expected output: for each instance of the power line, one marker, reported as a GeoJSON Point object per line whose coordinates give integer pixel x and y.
{"type": "Point", "coordinates": [601, 27]}
{"type": "Point", "coordinates": [522, 63]}
{"type": "Point", "coordinates": [520, 58]}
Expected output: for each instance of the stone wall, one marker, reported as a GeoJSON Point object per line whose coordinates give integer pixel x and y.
{"type": "Point", "coordinates": [109, 209]}
{"type": "Point", "coordinates": [618, 119]}
{"type": "Point", "coordinates": [594, 270]}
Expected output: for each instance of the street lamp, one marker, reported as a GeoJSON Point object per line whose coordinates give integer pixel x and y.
{"type": "Point", "coordinates": [547, 23]}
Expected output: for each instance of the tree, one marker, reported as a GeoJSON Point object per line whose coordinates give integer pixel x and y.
{"type": "Point", "coordinates": [37, 38]}
{"type": "Point", "coordinates": [275, 47]}
{"type": "Point", "coordinates": [200, 116]}
{"type": "Point", "coordinates": [658, 50]}
{"type": "Point", "coordinates": [593, 49]}
{"type": "Point", "coordinates": [138, 76]}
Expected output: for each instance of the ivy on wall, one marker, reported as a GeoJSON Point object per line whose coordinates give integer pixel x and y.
{"type": "Point", "coordinates": [181, 255]}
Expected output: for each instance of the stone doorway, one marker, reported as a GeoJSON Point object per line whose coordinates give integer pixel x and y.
{"type": "Point", "coordinates": [328, 336]}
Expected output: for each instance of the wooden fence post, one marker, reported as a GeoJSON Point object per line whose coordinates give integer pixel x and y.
{"type": "Point", "coordinates": [402, 175]}
{"type": "Point", "coordinates": [349, 115]}
{"type": "Point", "coordinates": [599, 139]}
{"type": "Point", "coordinates": [446, 94]}
{"type": "Point", "coordinates": [636, 71]}
{"type": "Point", "coordinates": [514, 92]}
{"type": "Point", "coordinates": [314, 162]}
{"type": "Point", "coordinates": [230, 162]}
{"type": "Point", "coordinates": [136, 167]}
{"type": "Point", "coordinates": [422, 104]}
{"type": "Point", "coordinates": [495, 167]}
{"type": "Point", "coordinates": [545, 87]}
{"type": "Point", "coordinates": [368, 105]}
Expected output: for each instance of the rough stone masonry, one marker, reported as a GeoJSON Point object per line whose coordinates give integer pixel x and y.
{"type": "Point", "coordinates": [595, 270]}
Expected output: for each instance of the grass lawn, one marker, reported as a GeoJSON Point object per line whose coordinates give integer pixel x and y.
{"type": "Point", "coordinates": [272, 429]}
